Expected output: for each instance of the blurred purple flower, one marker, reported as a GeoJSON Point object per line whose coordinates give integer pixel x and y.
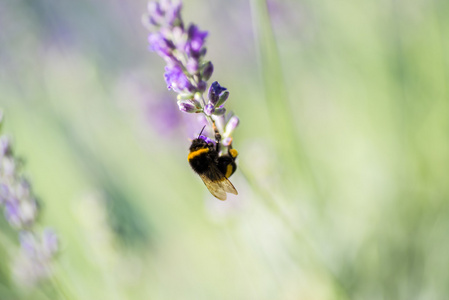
{"type": "Point", "coordinates": [21, 214]}
{"type": "Point", "coordinates": [165, 13]}
{"type": "Point", "coordinates": [21, 210]}
{"type": "Point", "coordinates": [163, 115]}
{"type": "Point", "coordinates": [4, 145]}
{"type": "Point", "coordinates": [160, 44]}
{"type": "Point", "coordinates": [33, 263]}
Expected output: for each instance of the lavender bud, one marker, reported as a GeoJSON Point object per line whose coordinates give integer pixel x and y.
{"type": "Point", "coordinates": [9, 166]}
{"type": "Point", "coordinates": [188, 106]}
{"type": "Point", "coordinates": [209, 109]}
{"type": "Point", "coordinates": [231, 125]}
{"type": "Point", "coordinates": [5, 146]}
{"type": "Point", "coordinates": [202, 85]}
{"type": "Point", "coordinates": [215, 91]}
{"type": "Point", "coordinates": [219, 111]}
{"type": "Point", "coordinates": [173, 13]}
{"type": "Point", "coordinates": [155, 15]}
{"type": "Point", "coordinates": [12, 213]}
{"type": "Point", "coordinates": [28, 243]}
{"type": "Point", "coordinates": [206, 70]}
{"type": "Point", "coordinates": [50, 242]}
{"type": "Point", "coordinates": [20, 214]}
{"type": "Point", "coordinates": [33, 263]}
{"type": "Point", "coordinates": [196, 37]}
{"type": "Point", "coordinates": [223, 97]}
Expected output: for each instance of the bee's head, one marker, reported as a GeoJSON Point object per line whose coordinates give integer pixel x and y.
{"type": "Point", "coordinates": [201, 142]}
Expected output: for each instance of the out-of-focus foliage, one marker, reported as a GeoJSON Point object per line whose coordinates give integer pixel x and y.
{"type": "Point", "coordinates": [343, 141]}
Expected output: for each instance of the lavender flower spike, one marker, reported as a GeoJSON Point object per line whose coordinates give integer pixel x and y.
{"type": "Point", "coordinates": [183, 47]}
{"type": "Point", "coordinates": [33, 264]}
{"type": "Point", "coordinates": [21, 210]}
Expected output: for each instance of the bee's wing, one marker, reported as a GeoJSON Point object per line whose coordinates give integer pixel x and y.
{"type": "Point", "coordinates": [219, 187]}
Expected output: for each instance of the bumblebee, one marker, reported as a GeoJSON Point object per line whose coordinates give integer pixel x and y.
{"type": "Point", "coordinates": [214, 169]}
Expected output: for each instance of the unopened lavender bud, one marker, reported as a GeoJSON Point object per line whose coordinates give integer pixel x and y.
{"type": "Point", "coordinates": [50, 242]}
{"type": "Point", "coordinates": [231, 125]}
{"type": "Point", "coordinates": [209, 109]}
{"type": "Point", "coordinates": [202, 85]}
{"type": "Point", "coordinates": [206, 70]}
{"type": "Point", "coordinates": [197, 104]}
{"type": "Point", "coordinates": [5, 146]}
{"type": "Point", "coordinates": [219, 111]}
{"type": "Point", "coordinates": [173, 13]}
{"type": "Point", "coordinates": [187, 106]}
{"type": "Point", "coordinates": [215, 91]}
{"type": "Point", "coordinates": [155, 14]}
{"type": "Point", "coordinates": [222, 98]}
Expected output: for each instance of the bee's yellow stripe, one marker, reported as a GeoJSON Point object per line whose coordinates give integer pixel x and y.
{"type": "Point", "coordinates": [233, 153]}
{"type": "Point", "coordinates": [229, 170]}
{"type": "Point", "coordinates": [196, 153]}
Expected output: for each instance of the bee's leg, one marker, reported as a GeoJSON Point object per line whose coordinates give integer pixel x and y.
{"type": "Point", "coordinates": [217, 137]}
{"type": "Point", "coordinates": [230, 144]}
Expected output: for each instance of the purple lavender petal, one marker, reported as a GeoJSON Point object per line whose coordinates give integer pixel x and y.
{"type": "Point", "coordinates": [209, 109]}
{"type": "Point", "coordinates": [196, 39]}
{"type": "Point", "coordinates": [232, 125]}
{"type": "Point", "coordinates": [192, 66]}
{"type": "Point", "coordinates": [176, 79]}
{"type": "Point", "coordinates": [28, 243]}
{"type": "Point", "coordinates": [163, 115]}
{"type": "Point", "coordinates": [187, 106]}
{"type": "Point", "coordinates": [160, 45]}
{"type": "Point", "coordinates": [173, 14]}
{"type": "Point", "coordinates": [208, 69]}
{"type": "Point", "coordinates": [206, 139]}
{"type": "Point", "coordinates": [155, 13]}
{"type": "Point", "coordinates": [12, 213]}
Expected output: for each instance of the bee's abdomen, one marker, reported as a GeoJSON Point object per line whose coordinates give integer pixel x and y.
{"type": "Point", "coordinates": [200, 164]}
{"type": "Point", "coordinates": [226, 165]}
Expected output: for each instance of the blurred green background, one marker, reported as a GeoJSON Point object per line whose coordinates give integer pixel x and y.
{"type": "Point", "coordinates": [343, 172]}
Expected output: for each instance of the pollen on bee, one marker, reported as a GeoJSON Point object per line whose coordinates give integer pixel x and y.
{"type": "Point", "coordinates": [229, 171]}
{"type": "Point", "coordinates": [233, 153]}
